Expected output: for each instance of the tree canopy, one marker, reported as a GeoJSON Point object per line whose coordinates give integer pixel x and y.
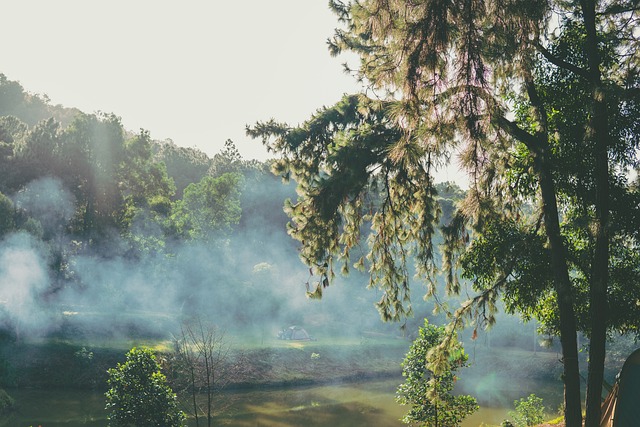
{"type": "Point", "coordinates": [430, 393]}
{"type": "Point", "coordinates": [139, 394]}
{"type": "Point", "coordinates": [538, 99]}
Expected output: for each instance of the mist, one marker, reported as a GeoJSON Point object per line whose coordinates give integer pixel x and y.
{"type": "Point", "coordinates": [250, 283]}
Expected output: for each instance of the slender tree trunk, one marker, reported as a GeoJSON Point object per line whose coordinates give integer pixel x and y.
{"type": "Point", "coordinates": [568, 334]}
{"type": "Point", "coordinates": [539, 146]}
{"type": "Point", "coordinates": [599, 131]}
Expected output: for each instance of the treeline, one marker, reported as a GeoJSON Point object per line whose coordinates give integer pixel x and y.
{"type": "Point", "coordinates": [130, 223]}
{"type": "Point", "coordinates": [83, 186]}
{"type": "Point", "coordinates": [116, 179]}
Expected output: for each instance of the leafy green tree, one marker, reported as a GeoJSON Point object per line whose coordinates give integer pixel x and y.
{"type": "Point", "coordinates": [430, 393]}
{"type": "Point", "coordinates": [528, 412]}
{"type": "Point", "coordinates": [209, 208]}
{"type": "Point", "coordinates": [184, 165]}
{"type": "Point", "coordinates": [91, 157]}
{"type": "Point", "coordinates": [7, 215]}
{"type": "Point", "coordinates": [37, 155]}
{"type": "Point", "coordinates": [228, 160]}
{"type": "Point", "coordinates": [30, 108]}
{"type": "Point", "coordinates": [146, 181]}
{"type": "Point", "coordinates": [12, 131]}
{"type": "Point", "coordinates": [456, 76]}
{"type": "Point", "coordinates": [15, 101]}
{"type": "Point", "coordinates": [139, 395]}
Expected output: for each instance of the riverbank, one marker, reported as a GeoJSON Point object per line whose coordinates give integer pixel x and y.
{"type": "Point", "coordinates": [495, 373]}
{"type": "Point", "coordinates": [64, 364]}
{"type": "Point", "coordinates": [497, 376]}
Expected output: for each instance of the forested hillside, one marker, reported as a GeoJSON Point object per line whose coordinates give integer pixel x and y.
{"type": "Point", "coordinates": [98, 220]}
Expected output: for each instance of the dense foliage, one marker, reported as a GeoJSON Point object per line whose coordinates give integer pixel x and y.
{"type": "Point", "coordinates": [528, 412]}
{"type": "Point", "coordinates": [539, 100]}
{"type": "Point", "coordinates": [139, 395]}
{"type": "Point", "coordinates": [109, 221]}
{"type": "Point", "coordinates": [430, 393]}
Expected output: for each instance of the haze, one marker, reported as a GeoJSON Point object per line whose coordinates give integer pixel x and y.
{"type": "Point", "coordinates": [193, 71]}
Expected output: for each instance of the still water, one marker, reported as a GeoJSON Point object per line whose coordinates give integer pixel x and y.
{"type": "Point", "coordinates": [352, 404]}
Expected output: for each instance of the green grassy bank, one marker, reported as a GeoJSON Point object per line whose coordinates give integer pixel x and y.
{"type": "Point", "coordinates": [67, 364]}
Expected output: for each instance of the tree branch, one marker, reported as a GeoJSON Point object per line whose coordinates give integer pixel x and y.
{"type": "Point", "coordinates": [518, 133]}
{"type": "Point", "coordinates": [561, 63]}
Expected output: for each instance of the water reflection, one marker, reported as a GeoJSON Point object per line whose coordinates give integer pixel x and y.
{"type": "Point", "coordinates": [353, 404]}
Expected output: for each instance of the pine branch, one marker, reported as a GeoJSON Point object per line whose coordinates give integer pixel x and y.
{"type": "Point", "coordinates": [516, 132]}
{"type": "Point", "coordinates": [560, 62]}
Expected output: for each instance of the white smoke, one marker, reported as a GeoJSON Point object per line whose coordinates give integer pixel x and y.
{"type": "Point", "coordinates": [49, 202]}
{"type": "Point", "coordinates": [23, 279]}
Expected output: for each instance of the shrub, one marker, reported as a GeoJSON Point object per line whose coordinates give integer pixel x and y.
{"type": "Point", "coordinates": [429, 394]}
{"type": "Point", "coordinates": [139, 395]}
{"type": "Point", "coordinates": [528, 412]}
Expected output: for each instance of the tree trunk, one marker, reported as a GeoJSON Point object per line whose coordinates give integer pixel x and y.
{"type": "Point", "coordinates": [539, 146]}
{"type": "Point", "coordinates": [599, 128]}
{"type": "Point", "coordinates": [194, 392]}
{"type": "Point", "coordinates": [568, 334]}
{"type": "Point", "coordinates": [599, 278]}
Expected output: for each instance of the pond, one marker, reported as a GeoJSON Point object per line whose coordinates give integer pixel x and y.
{"type": "Point", "coordinates": [349, 404]}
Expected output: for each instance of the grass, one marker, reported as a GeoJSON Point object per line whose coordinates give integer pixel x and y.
{"type": "Point", "coordinates": [75, 363]}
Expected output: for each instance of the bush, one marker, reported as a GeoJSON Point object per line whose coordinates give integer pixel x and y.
{"type": "Point", "coordinates": [139, 395]}
{"type": "Point", "coordinates": [529, 411]}
{"type": "Point", "coordinates": [429, 394]}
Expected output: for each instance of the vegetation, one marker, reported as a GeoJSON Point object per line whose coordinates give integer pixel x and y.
{"type": "Point", "coordinates": [430, 393]}
{"type": "Point", "coordinates": [203, 361]}
{"type": "Point", "coordinates": [540, 99]}
{"type": "Point", "coordinates": [139, 395]}
{"type": "Point", "coordinates": [528, 412]}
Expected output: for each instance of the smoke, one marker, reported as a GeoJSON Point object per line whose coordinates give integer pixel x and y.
{"type": "Point", "coordinates": [23, 280]}
{"type": "Point", "coordinates": [251, 283]}
{"type": "Point", "coordinates": [48, 202]}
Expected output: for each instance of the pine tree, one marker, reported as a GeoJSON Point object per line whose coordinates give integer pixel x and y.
{"type": "Point", "coordinates": [476, 78]}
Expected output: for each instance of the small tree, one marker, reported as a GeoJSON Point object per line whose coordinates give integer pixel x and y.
{"type": "Point", "coordinates": [429, 392]}
{"type": "Point", "coordinates": [529, 411]}
{"type": "Point", "coordinates": [202, 356]}
{"type": "Point", "coordinates": [139, 395]}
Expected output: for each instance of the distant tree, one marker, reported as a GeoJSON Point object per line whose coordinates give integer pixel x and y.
{"type": "Point", "coordinates": [263, 217]}
{"type": "Point", "coordinates": [12, 132]}
{"type": "Point", "coordinates": [13, 129]}
{"type": "Point", "coordinates": [209, 208]}
{"type": "Point", "coordinates": [184, 165]}
{"type": "Point", "coordinates": [139, 395]}
{"type": "Point", "coordinates": [7, 215]}
{"type": "Point", "coordinates": [430, 393]}
{"type": "Point", "coordinates": [38, 154]}
{"type": "Point", "coordinates": [92, 154]}
{"type": "Point", "coordinates": [228, 160]}
{"type": "Point", "coordinates": [30, 108]}
{"type": "Point", "coordinates": [145, 184]}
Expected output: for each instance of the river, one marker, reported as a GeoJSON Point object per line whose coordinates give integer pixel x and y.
{"type": "Point", "coordinates": [350, 404]}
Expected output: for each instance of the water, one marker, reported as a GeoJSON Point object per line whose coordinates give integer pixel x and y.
{"type": "Point", "coordinates": [350, 404]}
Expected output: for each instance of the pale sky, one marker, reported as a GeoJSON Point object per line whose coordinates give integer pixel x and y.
{"type": "Point", "coordinates": [194, 71]}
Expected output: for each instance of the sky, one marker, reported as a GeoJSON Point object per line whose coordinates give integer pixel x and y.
{"type": "Point", "coordinates": [193, 71]}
